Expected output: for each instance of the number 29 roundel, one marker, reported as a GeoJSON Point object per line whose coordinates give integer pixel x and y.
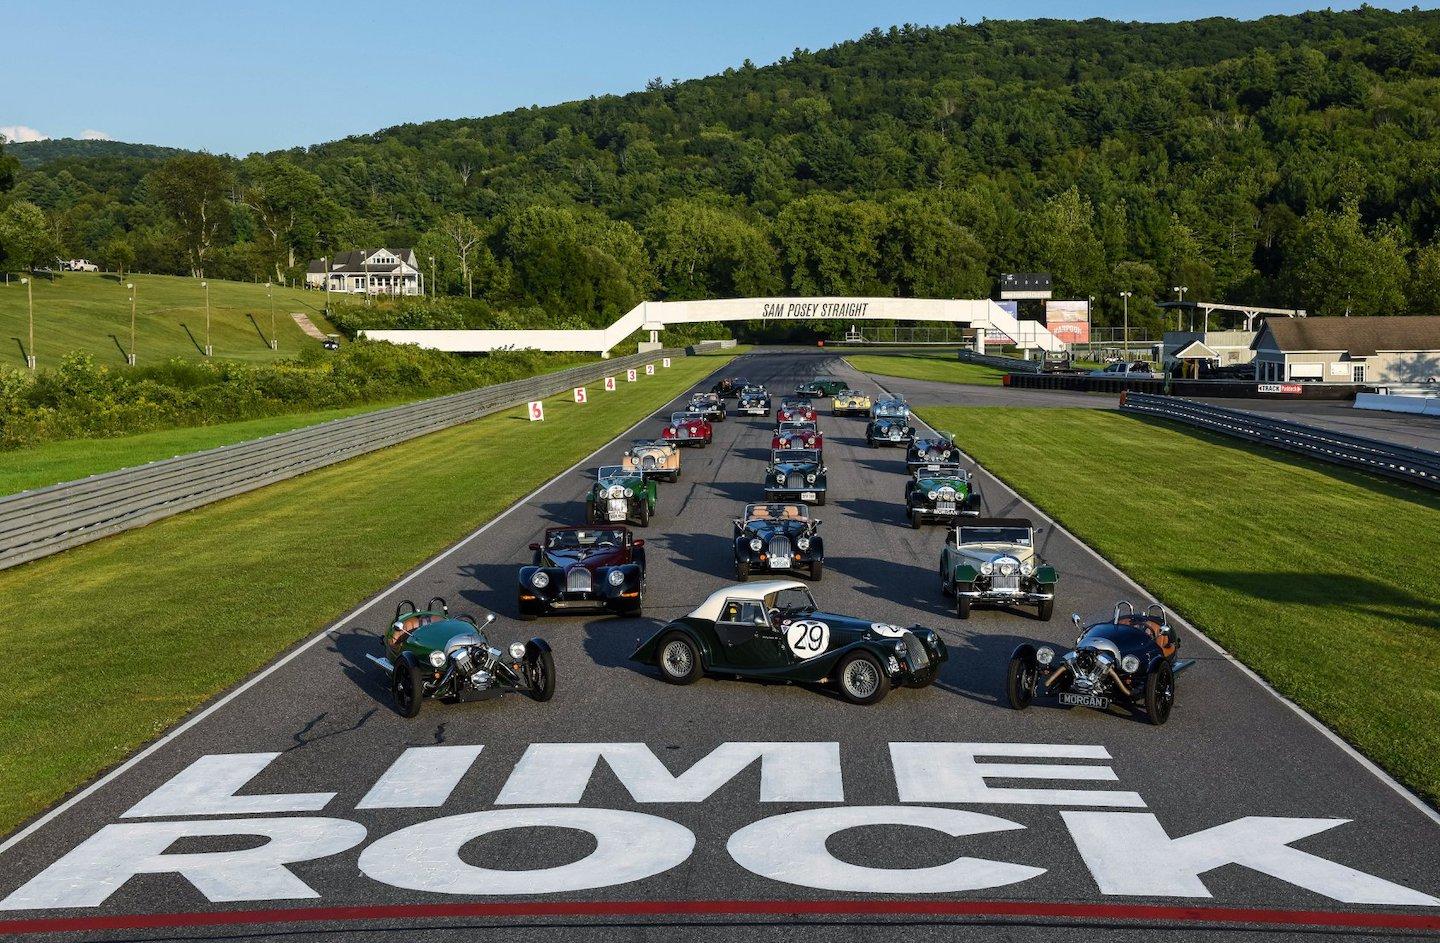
{"type": "Point", "coordinates": [807, 638]}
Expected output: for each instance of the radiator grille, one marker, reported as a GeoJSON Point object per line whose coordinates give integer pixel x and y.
{"type": "Point", "coordinates": [577, 580]}
{"type": "Point", "coordinates": [915, 650]}
{"type": "Point", "coordinates": [945, 501]}
{"type": "Point", "coordinates": [1008, 584]}
{"type": "Point", "coordinates": [619, 509]}
{"type": "Point", "coordinates": [780, 551]}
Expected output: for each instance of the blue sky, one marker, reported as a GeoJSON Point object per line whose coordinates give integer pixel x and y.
{"type": "Point", "coordinates": [261, 75]}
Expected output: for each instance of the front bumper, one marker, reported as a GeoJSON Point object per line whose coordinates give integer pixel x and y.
{"type": "Point", "coordinates": [902, 442]}
{"type": "Point", "coordinates": [805, 494]}
{"type": "Point", "coordinates": [933, 515]}
{"type": "Point", "coordinates": [1021, 596]}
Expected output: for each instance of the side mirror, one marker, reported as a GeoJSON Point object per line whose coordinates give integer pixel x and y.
{"type": "Point", "coordinates": [1075, 618]}
{"type": "Point", "coordinates": [489, 618]}
{"type": "Point", "coordinates": [534, 546]}
{"type": "Point", "coordinates": [639, 541]}
{"type": "Point", "coordinates": [760, 621]}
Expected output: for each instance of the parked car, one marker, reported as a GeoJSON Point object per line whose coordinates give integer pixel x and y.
{"type": "Point", "coordinates": [619, 496]}
{"type": "Point", "coordinates": [1138, 370]}
{"type": "Point", "coordinates": [80, 265]}
{"type": "Point", "coordinates": [584, 568]}
{"type": "Point", "coordinates": [795, 407]}
{"type": "Point", "coordinates": [924, 451]}
{"type": "Point", "coordinates": [429, 654]}
{"type": "Point", "coordinates": [992, 561]}
{"type": "Point", "coordinates": [657, 461]}
{"type": "Point", "coordinates": [801, 434]}
{"type": "Point", "coordinates": [1130, 659]}
{"type": "Point", "coordinates": [795, 475]}
{"type": "Point", "coordinates": [709, 405]}
{"type": "Point", "coordinates": [888, 430]}
{"type": "Point", "coordinates": [940, 493]}
{"type": "Point", "coordinates": [778, 538]}
{"type": "Point", "coordinates": [754, 402]}
{"type": "Point", "coordinates": [688, 429]}
{"type": "Point", "coordinates": [850, 403]}
{"type": "Point", "coordinates": [773, 630]}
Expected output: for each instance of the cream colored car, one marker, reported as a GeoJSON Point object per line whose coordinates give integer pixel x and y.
{"type": "Point", "coordinates": [850, 403]}
{"type": "Point", "coordinates": [992, 561]}
{"type": "Point", "coordinates": [659, 460]}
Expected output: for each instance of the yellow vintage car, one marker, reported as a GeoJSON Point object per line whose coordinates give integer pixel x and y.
{"type": "Point", "coordinates": [657, 460]}
{"type": "Point", "coordinates": [850, 403]}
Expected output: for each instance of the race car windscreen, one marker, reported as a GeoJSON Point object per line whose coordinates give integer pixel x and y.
{"type": "Point", "coordinates": [795, 456]}
{"type": "Point", "coordinates": [803, 425]}
{"type": "Point", "coordinates": [679, 419]}
{"type": "Point", "coordinates": [941, 471]}
{"type": "Point", "coordinates": [576, 539]}
{"type": "Point", "coordinates": [797, 599]}
{"type": "Point", "coordinates": [995, 535]}
{"type": "Point", "coordinates": [611, 471]}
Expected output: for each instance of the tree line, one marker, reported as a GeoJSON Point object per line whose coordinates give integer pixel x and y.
{"type": "Point", "coordinates": [1291, 161]}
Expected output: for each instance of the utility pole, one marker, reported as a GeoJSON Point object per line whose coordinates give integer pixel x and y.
{"type": "Point", "coordinates": [1125, 306]}
{"type": "Point", "coordinates": [432, 279]}
{"type": "Point", "coordinates": [365, 264]}
{"type": "Point", "coordinates": [131, 358]}
{"type": "Point", "coordinates": [28, 282]}
{"type": "Point", "coordinates": [274, 340]}
{"type": "Point", "coordinates": [325, 261]}
{"type": "Point", "coordinates": [208, 349]}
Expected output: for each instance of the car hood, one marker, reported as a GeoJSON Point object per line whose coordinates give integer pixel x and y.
{"type": "Point", "coordinates": [932, 447]}
{"type": "Point", "coordinates": [934, 484]}
{"type": "Point", "coordinates": [887, 422]}
{"type": "Point", "coordinates": [794, 468]}
{"type": "Point", "coordinates": [634, 482]}
{"type": "Point", "coordinates": [990, 552]}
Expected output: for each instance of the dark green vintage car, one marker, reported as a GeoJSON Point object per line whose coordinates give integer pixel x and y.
{"type": "Point", "coordinates": [822, 387]}
{"type": "Point", "coordinates": [620, 496]}
{"type": "Point", "coordinates": [941, 493]}
{"type": "Point", "coordinates": [774, 631]}
{"type": "Point", "coordinates": [430, 654]}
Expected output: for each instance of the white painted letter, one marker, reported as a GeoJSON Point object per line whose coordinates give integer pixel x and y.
{"type": "Point", "coordinates": [629, 846]}
{"type": "Point", "coordinates": [103, 863]}
{"type": "Point", "coordinates": [791, 848]}
{"type": "Point", "coordinates": [208, 787]}
{"type": "Point", "coordinates": [421, 778]}
{"type": "Point", "coordinates": [557, 773]}
{"type": "Point", "coordinates": [1129, 853]}
{"type": "Point", "coordinates": [949, 772]}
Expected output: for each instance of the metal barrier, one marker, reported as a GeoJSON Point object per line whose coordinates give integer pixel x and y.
{"type": "Point", "coordinates": [35, 524]}
{"type": "Point", "coordinates": [1416, 466]}
{"type": "Point", "coordinates": [1178, 386]}
{"type": "Point", "coordinates": [1013, 364]}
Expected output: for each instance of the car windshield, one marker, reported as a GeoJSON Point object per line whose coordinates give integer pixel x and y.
{"type": "Point", "coordinates": [995, 535]}
{"type": "Point", "coordinates": [677, 419]}
{"type": "Point", "coordinates": [803, 425]}
{"type": "Point", "coordinates": [611, 471]}
{"type": "Point", "coordinates": [777, 512]}
{"type": "Point", "coordinates": [796, 599]}
{"type": "Point", "coordinates": [578, 539]}
{"type": "Point", "coordinates": [940, 471]}
{"type": "Point", "coordinates": [795, 455]}
{"type": "Point", "coordinates": [892, 409]}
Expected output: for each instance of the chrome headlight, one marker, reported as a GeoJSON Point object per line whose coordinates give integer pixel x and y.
{"type": "Point", "coordinates": [933, 495]}
{"type": "Point", "coordinates": [987, 568]}
{"type": "Point", "coordinates": [517, 650]}
{"type": "Point", "coordinates": [779, 478]}
{"type": "Point", "coordinates": [1129, 664]}
{"type": "Point", "coordinates": [1007, 567]}
{"type": "Point", "coordinates": [810, 479]}
{"type": "Point", "coordinates": [437, 659]}
{"type": "Point", "coordinates": [629, 492]}
{"type": "Point", "coordinates": [1027, 567]}
{"type": "Point", "coordinates": [540, 580]}
{"type": "Point", "coordinates": [802, 543]}
{"type": "Point", "coordinates": [1045, 656]}
{"type": "Point", "coordinates": [756, 543]}
{"type": "Point", "coordinates": [616, 578]}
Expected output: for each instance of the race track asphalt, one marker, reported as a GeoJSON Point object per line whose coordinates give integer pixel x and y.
{"type": "Point", "coordinates": [1232, 750]}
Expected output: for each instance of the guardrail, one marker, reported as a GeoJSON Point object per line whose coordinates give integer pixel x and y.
{"type": "Point", "coordinates": [1416, 466]}
{"type": "Point", "coordinates": [37, 523]}
{"type": "Point", "coordinates": [1013, 364]}
{"type": "Point", "coordinates": [1178, 386]}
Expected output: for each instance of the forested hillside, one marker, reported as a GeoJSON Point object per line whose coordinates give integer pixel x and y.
{"type": "Point", "coordinates": [1290, 160]}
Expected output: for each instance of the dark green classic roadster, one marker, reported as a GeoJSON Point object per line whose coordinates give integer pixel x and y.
{"type": "Point", "coordinates": [773, 631]}
{"type": "Point", "coordinates": [620, 496]}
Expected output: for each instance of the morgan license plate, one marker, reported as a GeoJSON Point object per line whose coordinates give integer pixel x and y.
{"type": "Point", "coordinates": [1084, 700]}
{"type": "Point", "coordinates": [807, 496]}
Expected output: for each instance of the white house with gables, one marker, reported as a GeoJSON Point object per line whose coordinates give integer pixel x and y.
{"type": "Point", "coordinates": [368, 272]}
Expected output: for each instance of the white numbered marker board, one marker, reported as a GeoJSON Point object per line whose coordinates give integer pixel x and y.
{"type": "Point", "coordinates": [665, 362]}
{"type": "Point", "coordinates": [629, 376]}
{"type": "Point", "coordinates": [537, 411]}
{"type": "Point", "coordinates": [609, 384]}
{"type": "Point", "coordinates": [579, 394]}
{"type": "Point", "coordinates": [649, 369]}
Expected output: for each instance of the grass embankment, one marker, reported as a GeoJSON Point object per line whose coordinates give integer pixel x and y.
{"type": "Point", "coordinates": [152, 623]}
{"type": "Point", "coordinates": [1322, 580]}
{"type": "Point", "coordinates": [942, 367]}
{"type": "Point", "coordinates": [87, 312]}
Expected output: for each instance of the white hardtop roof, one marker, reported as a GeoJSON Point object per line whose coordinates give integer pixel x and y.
{"type": "Point", "coordinates": [756, 592]}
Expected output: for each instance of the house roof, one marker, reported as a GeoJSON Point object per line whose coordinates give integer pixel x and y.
{"type": "Point", "coordinates": [1361, 336]}
{"type": "Point", "coordinates": [353, 261]}
{"type": "Point", "coordinates": [1195, 351]}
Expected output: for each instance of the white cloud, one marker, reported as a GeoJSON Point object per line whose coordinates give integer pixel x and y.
{"type": "Point", "coordinates": [19, 133]}
{"type": "Point", "coordinates": [90, 134]}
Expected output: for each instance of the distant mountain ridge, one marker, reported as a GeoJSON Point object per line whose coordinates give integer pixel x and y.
{"type": "Point", "coordinates": [36, 153]}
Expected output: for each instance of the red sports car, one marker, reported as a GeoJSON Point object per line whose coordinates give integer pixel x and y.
{"type": "Point", "coordinates": [688, 429]}
{"type": "Point", "coordinates": [798, 435]}
{"type": "Point", "coordinates": [792, 410]}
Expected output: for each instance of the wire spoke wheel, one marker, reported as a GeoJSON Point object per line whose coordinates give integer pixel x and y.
{"type": "Point", "coordinates": [677, 659]}
{"type": "Point", "coordinates": [861, 679]}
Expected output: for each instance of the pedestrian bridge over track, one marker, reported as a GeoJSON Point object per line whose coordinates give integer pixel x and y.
{"type": "Point", "coordinates": [984, 317]}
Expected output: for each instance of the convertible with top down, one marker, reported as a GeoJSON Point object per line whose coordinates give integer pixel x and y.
{"type": "Point", "coordinates": [709, 405]}
{"type": "Point", "coordinates": [821, 387]}
{"type": "Point", "coordinates": [688, 429]}
{"type": "Point", "coordinates": [778, 538]}
{"type": "Point", "coordinates": [655, 460]}
{"type": "Point", "coordinates": [941, 494]}
{"type": "Point", "coordinates": [584, 568]}
{"type": "Point", "coordinates": [795, 475]}
{"type": "Point", "coordinates": [793, 408]}
{"type": "Point", "coordinates": [924, 451]}
{"type": "Point", "coordinates": [754, 401]}
{"type": "Point", "coordinates": [850, 403]}
{"type": "Point", "coordinates": [774, 631]}
{"type": "Point", "coordinates": [801, 434]}
{"type": "Point", "coordinates": [620, 495]}
{"type": "Point", "coordinates": [729, 387]}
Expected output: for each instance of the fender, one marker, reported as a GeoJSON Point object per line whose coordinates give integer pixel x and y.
{"type": "Point", "coordinates": [601, 579]}
{"type": "Point", "coordinates": [1047, 575]}
{"type": "Point", "coordinates": [645, 653]}
{"type": "Point", "coordinates": [1024, 650]}
{"type": "Point", "coordinates": [964, 573]}
{"type": "Point", "coordinates": [535, 646]}
{"type": "Point", "coordinates": [556, 584]}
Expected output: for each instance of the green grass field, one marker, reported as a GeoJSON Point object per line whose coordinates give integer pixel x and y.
{"type": "Point", "coordinates": [89, 312]}
{"type": "Point", "coordinates": [159, 620]}
{"type": "Point", "coordinates": [938, 366]}
{"type": "Point", "coordinates": [68, 460]}
{"type": "Point", "coordinates": [1321, 579]}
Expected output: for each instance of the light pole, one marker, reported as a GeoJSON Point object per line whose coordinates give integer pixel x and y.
{"type": "Point", "coordinates": [131, 358]}
{"type": "Point", "coordinates": [30, 302]}
{"type": "Point", "coordinates": [432, 279]}
{"type": "Point", "coordinates": [1125, 306]}
{"type": "Point", "coordinates": [1180, 291]}
{"type": "Point", "coordinates": [274, 340]}
{"type": "Point", "coordinates": [208, 349]}
{"type": "Point", "coordinates": [325, 261]}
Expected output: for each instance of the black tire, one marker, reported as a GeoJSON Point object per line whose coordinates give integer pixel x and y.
{"type": "Point", "coordinates": [869, 442]}
{"type": "Point", "coordinates": [914, 516]}
{"type": "Point", "coordinates": [1020, 682]}
{"type": "Point", "coordinates": [540, 674]}
{"type": "Point", "coordinates": [526, 613]}
{"type": "Point", "coordinates": [861, 679]}
{"type": "Point", "coordinates": [590, 512]}
{"type": "Point", "coordinates": [945, 588]}
{"type": "Point", "coordinates": [820, 499]}
{"type": "Point", "coordinates": [742, 571]}
{"type": "Point", "coordinates": [678, 659]}
{"type": "Point", "coordinates": [1047, 610]}
{"type": "Point", "coordinates": [1159, 693]}
{"type": "Point", "coordinates": [963, 604]}
{"type": "Point", "coordinates": [817, 571]}
{"type": "Point", "coordinates": [644, 513]}
{"type": "Point", "coordinates": [407, 688]}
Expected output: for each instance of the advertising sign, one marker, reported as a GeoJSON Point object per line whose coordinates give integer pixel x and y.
{"type": "Point", "coordinates": [1069, 321]}
{"type": "Point", "coordinates": [1290, 389]}
{"type": "Point", "coordinates": [994, 338]}
{"type": "Point", "coordinates": [537, 411]}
